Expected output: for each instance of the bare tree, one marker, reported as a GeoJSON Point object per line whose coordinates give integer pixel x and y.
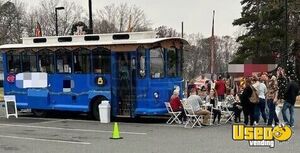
{"type": "Point", "coordinates": [164, 31]}
{"type": "Point", "coordinates": [122, 17]}
{"type": "Point", "coordinates": [226, 47]}
{"type": "Point", "coordinates": [196, 56]}
{"type": "Point", "coordinates": [45, 15]}
{"type": "Point", "coordinates": [11, 23]}
{"type": "Point", "coordinates": [104, 26]}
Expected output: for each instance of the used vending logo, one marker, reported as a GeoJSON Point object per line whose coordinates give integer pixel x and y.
{"type": "Point", "coordinates": [260, 136]}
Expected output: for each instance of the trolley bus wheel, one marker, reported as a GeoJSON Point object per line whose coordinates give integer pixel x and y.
{"type": "Point", "coordinates": [39, 113]}
{"type": "Point", "coordinates": [95, 109]}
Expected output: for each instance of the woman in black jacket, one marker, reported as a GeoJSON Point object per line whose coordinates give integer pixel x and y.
{"type": "Point", "coordinates": [248, 107]}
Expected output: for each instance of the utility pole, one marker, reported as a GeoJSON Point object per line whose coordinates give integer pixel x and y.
{"type": "Point", "coordinates": [90, 17]}
{"type": "Point", "coordinates": [212, 47]}
{"type": "Point", "coordinates": [56, 24]}
{"type": "Point", "coordinates": [182, 29]}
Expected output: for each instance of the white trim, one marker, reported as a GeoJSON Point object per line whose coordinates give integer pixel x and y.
{"type": "Point", "coordinates": [135, 38]}
{"type": "Point", "coordinates": [74, 44]}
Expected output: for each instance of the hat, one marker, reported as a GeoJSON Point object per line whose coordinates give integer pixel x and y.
{"type": "Point", "coordinates": [176, 91]}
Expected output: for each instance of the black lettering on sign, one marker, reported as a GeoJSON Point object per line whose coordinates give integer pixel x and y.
{"type": "Point", "coordinates": [11, 107]}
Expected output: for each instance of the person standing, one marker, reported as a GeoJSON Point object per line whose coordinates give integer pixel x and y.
{"type": "Point", "coordinates": [262, 91]}
{"type": "Point", "coordinates": [247, 106]}
{"type": "Point", "coordinates": [256, 109]}
{"type": "Point", "coordinates": [221, 88]}
{"type": "Point", "coordinates": [272, 100]}
{"type": "Point", "coordinates": [290, 95]}
{"type": "Point", "coordinates": [282, 83]}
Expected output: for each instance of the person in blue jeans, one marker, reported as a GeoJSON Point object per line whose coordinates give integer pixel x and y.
{"type": "Point", "coordinates": [272, 100]}
{"type": "Point", "coordinates": [290, 95]}
{"type": "Point", "coordinates": [260, 108]}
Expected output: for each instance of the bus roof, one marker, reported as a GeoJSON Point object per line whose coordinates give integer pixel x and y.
{"type": "Point", "coordinates": [132, 39]}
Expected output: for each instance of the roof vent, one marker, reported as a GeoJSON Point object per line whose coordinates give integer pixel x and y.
{"type": "Point", "coordinates": [39, 40]}
{"type": "Point", "coordinates": [120, 36]}
{"type": "Point", "coordinates": [91, 38]}
{"type": "Point", "coordinates": [64, 39]}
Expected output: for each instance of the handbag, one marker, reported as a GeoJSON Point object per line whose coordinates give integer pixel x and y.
{"type": "Point", "coordinates": [254, 96]}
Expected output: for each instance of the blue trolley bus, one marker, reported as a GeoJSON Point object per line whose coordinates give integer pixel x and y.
{"type": "Point", "coordinates": [136, 72]}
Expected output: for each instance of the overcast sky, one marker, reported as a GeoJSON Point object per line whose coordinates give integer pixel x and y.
{"type": "Point", "coordinates": [196, 14]}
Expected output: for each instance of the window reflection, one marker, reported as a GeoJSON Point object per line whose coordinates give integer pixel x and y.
{"type": "Point", "coordinates": [28, 61]}
{"type": "Point", "coordinates": [157, 63]}
{"type": "Point", "coordinates": [63, 61]}
{"type": "Point", "coordinates": [46, 61]}
{"type": "Point", "coordinates": [13, 62]}
{"type": "Point", "coordinates": [82, 61]}
{"type": "Point", "coordinates": [101, 60]}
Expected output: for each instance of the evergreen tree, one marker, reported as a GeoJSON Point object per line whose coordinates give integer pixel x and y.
{"type": "Point", "coordinates": [264, 21]}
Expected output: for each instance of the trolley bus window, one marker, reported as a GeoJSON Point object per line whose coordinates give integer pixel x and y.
{"type": "Point", "coordinates": [63, 61]}
{"type": "Point", "coordinates": [46, 61]}
{"type": "Point", "coordinates": [157, 63]}
{"type": "Point", "coordinates": [142, 61]}
{"type": "Point", "coordinates": [82, 61]}
{"type": "Point", "coordinates": [101, 61]}
{"type": "Point", "coordinates": [171, 62]}
{"type": "Point", "coordinates": [28, 61]}
{"type": "Point", "coordinates": [13, 62]}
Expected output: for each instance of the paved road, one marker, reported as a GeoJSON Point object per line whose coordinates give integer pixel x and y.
{"type": "Point", "coordinates": [72, 135]}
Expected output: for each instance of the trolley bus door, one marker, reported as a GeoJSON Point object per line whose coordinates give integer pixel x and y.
{"type": "Point", "coordinates": [126, 83]}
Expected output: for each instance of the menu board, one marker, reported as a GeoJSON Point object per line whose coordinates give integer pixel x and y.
{"type": "Point", "coordinates": [11, 106]}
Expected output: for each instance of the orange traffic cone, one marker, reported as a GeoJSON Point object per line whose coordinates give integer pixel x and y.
{"type": "Point", "coordinates": [116, 132]}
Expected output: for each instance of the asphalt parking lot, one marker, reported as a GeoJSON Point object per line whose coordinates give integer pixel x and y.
{"type": "Point", "coordinates": [29, 134]}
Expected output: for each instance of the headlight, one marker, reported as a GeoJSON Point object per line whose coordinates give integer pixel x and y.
{"type": "Point", "coordinates": [156, 95]}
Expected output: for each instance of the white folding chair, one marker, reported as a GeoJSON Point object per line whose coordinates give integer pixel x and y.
{"type": "Point", "coordinates": [192, 118]}
{"type": "Point", "coordinates": [223, 106]}
{"type": "Point", "coordinates": [174, 115]}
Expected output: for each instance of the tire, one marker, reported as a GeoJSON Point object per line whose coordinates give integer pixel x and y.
{"type": "Point", "coordinates": [39, 113]}
{"type": "Point", "coordinates": [95, 109]}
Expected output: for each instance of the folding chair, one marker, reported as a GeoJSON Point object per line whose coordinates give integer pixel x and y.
{"type": "Point", "coordinates": [225, 111]}
{"type": "Point", "coordinates": [191, 116]}
{"type": "Point", "coordinates": [174, 115]}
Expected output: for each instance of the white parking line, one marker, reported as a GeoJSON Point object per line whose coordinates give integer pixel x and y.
{"type": "Point", "coordinates": [45, 140]}
{"type": "Point", "coordinates": [52, 121]}
{"type": "Point", "coordinates": [39, 118]}
{"type": "Point", "coordinates": [67, 129]}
